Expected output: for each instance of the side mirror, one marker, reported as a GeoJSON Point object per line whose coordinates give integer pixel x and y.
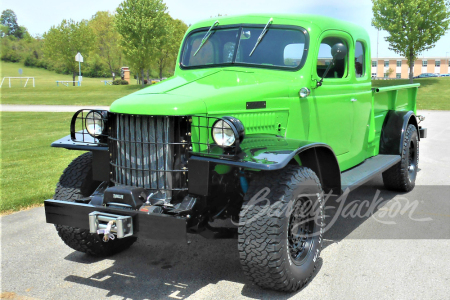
{"type": "Point", "coordinates": [245, 35]}
{"type": "Point", "coordinates": [338, 51]}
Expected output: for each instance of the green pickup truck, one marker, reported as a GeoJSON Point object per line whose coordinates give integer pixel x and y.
{"type": "Point", "coordinates": [264, 115]}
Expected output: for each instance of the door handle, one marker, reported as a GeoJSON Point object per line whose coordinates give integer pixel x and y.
{"type": "Point", "coordinates": [354, 100]}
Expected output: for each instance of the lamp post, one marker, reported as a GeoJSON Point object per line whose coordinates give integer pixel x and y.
{"type": "Point", "coordinates": [79, 59]}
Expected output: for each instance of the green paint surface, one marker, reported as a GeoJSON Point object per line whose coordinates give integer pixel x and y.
{"type": "Point", "coordinates": [328, 115]}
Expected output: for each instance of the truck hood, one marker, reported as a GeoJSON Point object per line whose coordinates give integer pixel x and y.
{"type": "Point", "coordinates": [203, 91]}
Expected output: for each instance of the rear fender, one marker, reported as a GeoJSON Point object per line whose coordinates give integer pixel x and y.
{"type": "Point", "coordinates": [393, 131]}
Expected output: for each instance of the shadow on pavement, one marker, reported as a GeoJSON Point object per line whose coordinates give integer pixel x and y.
{"type": "Point", "coordinates": [154, 270]}
{"type": "Point", "coordinates": [151, 271]}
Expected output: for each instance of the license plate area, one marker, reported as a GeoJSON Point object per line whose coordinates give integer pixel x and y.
{"type": "Point", "coordinates": [122, 226]}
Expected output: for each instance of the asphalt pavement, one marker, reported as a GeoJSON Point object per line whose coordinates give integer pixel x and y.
{"type": "Point", "coordinates": [399, 251]}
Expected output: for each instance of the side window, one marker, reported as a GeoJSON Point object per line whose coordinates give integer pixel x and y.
{"type": "Point", "coordinates": [360, 68]}
{"type": "Point", "coordinates": [339, 69]}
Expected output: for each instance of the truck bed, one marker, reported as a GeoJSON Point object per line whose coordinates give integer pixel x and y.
{"type": "Point", "coordinates": [384, 99]}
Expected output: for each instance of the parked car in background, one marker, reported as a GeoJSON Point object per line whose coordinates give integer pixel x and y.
{"type": "Point", "coordinates": [445, 75]}
{"type": "Point", "coordinates": [426, 75]}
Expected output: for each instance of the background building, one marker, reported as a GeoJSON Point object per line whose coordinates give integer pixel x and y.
{"type": "Point", "coordinates": [400, 69]}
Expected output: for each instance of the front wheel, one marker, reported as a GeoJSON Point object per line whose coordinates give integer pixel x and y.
{"type": "Point", "coordinates": [280, 228]}
{"type": "Point", "coordinates": [402, 176]}
{"type": "Point", "coordinates": [76, 183]}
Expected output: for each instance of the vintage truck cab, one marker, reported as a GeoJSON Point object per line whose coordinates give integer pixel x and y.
{"type": "Point", "coordinates": [264, 115]}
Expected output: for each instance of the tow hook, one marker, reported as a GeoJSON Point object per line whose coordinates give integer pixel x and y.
{"type": "Point", "coordinates": [107, 235]}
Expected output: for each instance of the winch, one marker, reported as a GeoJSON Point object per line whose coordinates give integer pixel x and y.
{"type": "Point", "coordinates": [110, 225]}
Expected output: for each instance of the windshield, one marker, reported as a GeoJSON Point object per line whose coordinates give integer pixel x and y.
{"type": "Point", "coordinates": [279, 48]}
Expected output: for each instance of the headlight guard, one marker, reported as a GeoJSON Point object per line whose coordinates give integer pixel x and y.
{"type": "Point", "coordinates": [228, 132]}
{"type": "Point", "coordinates": [94, 123]}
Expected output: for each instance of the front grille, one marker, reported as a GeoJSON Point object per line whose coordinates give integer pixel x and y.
{"type": "Point", "coordinates": [149, 152]}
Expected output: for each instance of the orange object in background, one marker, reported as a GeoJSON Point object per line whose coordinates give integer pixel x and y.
{"type": "Point", "coordinates": [125, 74]}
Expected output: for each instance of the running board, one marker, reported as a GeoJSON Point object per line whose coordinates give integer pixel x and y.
{"type": "Point", "coordinates": [362, 173]}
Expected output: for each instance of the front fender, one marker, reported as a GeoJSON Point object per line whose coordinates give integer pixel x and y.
{"type": "Point", "coordinates": [268, 153]}
{"type": "Point", "coordinates": [261, 152]}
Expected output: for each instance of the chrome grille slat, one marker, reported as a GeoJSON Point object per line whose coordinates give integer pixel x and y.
{"type": "Point", "coordinates": [142, 151]}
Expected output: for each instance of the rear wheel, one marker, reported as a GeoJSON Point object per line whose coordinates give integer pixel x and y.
{"type": "Point", "coordinates": [76, 183]}
{"type": "Point", "coordinates": [402, 176]}
{"type": "Point", "coordinates": [280, 228]}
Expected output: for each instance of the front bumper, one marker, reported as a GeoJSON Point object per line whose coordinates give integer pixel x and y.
{"type": "Point", "coordinates": [146, 226]}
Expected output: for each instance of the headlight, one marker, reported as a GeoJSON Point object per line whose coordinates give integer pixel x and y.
{"type": "Point", "coordinates": [94, 123]}
{"type": "Point", "coordinates": [227, 131]}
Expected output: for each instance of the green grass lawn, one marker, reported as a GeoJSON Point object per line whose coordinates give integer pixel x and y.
{"type": "Point", "coordinates": [30, 168]}
{"type": "Point", "coordinates": [434, 93]}
{"type": "Point", "coordinates": [91, 92]}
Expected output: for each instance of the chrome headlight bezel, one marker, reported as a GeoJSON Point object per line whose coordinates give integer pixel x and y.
{"type": "Point", "coordinates": [230, 124]}
{"type": "Point", "coordinates": [96, 119]}
{"type": "Point", "coordinates": [304, 92]}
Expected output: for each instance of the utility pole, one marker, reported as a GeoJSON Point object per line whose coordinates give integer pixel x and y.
{"type": "Point", "coordinates": [378, 37]}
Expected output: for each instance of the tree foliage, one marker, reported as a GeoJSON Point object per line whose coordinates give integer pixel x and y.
{"type": "Point", "coordinates": [414, 26]}
{"type": "Point", "coordinates": [107, 40]}
{"type": "Point", "coordinates": [150, 46]}
{"type": "Point", "coordinates": [63, 42]}
{"type": "Point", "coordinates": [168, 47]}
{"type": "Point", "coordinates": [142, 24]}
{"type": "Point", "coordinates": [8, 20]}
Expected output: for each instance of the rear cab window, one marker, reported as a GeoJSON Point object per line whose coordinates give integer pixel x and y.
{"type": "Point", "coordinates": [360, 58]}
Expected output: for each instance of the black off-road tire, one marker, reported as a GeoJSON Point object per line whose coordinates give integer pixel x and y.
{"type": "Point", "coordinates": [402, 176]}
{"type": "Point", "coordinates": [76, 183]}
{"type": "Point", "coordinates": [265, 234]}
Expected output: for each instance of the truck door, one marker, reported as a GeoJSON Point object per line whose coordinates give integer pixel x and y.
{"type": "Point", "coordinates": [332, 102]}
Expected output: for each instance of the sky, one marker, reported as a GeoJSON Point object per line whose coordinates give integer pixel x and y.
{"type": "Point", "coordinates": [39, 16]}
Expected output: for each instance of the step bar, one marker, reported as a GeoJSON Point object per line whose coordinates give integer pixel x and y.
{"type": "Point", "coordinates": [367, 170]}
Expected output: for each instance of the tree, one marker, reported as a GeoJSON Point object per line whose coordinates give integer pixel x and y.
{"type": "Point", "coordinates": [414, 26]}
{"type": "Point", "coordinates": [142, 24]}
{"type": "Point", "coordinates": [389, 72]}
{"type": "Point", "coordinates": [63, 42]}
{"type": "Point", "coordinates": [170, 44]}
{"type": "Point", "coordinates": [8, 19]}
{"type": "Point", "coordinates": [107, 40]}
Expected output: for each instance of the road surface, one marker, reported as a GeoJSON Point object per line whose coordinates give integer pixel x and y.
{"type": "Point", "coordinates": [363, 258]}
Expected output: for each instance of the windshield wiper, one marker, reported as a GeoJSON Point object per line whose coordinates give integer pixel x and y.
{"type": "Point", "coordinates": [261, 36]}
{"type": "Point", "coordinates": [205, 38]}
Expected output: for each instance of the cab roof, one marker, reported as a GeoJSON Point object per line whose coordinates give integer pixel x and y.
{"type": "Point", "coordinates": [318, 21]}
